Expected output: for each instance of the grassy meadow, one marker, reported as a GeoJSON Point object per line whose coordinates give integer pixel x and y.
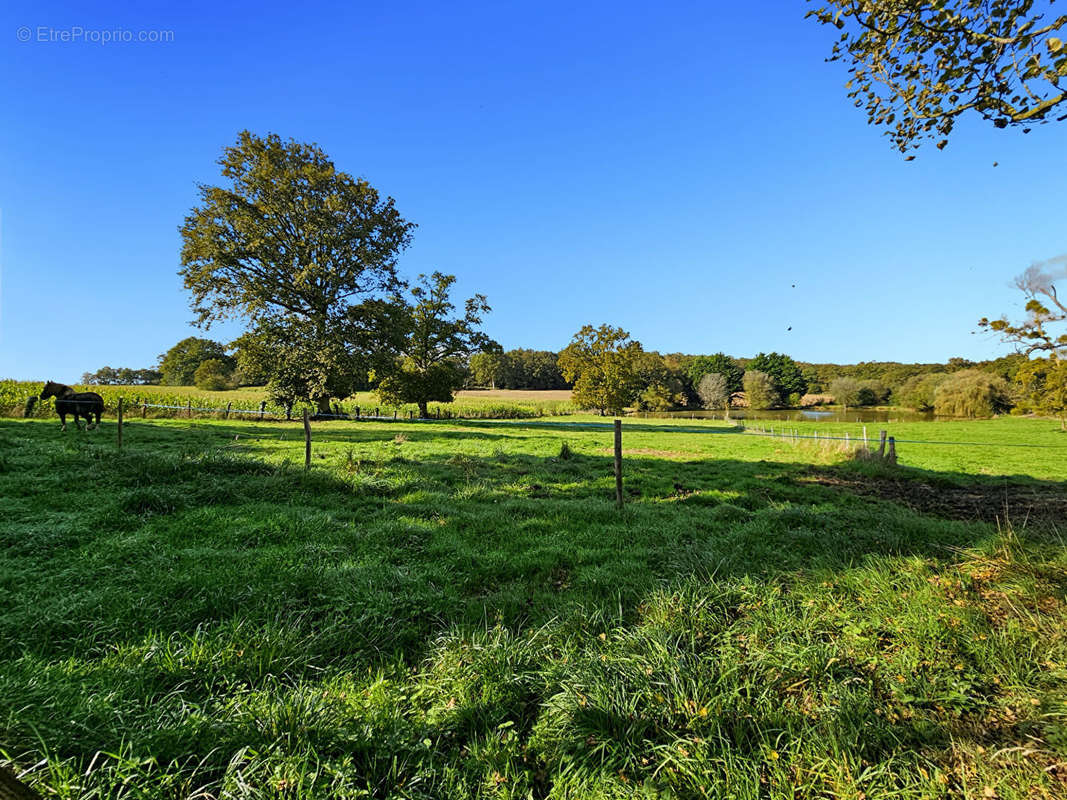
{"type": "Point", "coordinates": [457, 609]}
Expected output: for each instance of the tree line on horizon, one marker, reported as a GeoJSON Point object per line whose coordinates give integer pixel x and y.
{"type": "Point", "coordinates": [659, 382]}
{"type": "Point", "coordinates": [306, 256]}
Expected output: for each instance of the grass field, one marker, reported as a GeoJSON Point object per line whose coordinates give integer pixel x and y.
{"type": "Point", "coordinates": [456, 609]}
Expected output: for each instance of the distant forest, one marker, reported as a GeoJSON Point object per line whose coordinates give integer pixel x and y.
{"type": "Point", "coordinates": [668, 380]}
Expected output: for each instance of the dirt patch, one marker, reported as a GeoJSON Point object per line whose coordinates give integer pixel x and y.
{"type": "Point", "coordinates": [1013, 502]}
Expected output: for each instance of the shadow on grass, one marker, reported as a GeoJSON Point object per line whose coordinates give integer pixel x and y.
{"type": "Point", "coordinates": [132, 578]}
{"type": "Point", "coordinates": [180, 537]}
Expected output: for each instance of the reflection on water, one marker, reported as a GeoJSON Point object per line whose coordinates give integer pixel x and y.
{"type": "Point", "coordinates": [803, 414]}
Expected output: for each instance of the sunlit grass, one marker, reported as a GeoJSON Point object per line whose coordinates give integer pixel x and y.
{"type": "Point", "coordinates": [455, 610]}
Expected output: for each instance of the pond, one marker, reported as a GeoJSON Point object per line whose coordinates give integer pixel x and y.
{"type": "Point", "coordinates": [862, 415]}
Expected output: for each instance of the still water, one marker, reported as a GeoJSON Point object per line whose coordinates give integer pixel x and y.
{"type": "Point", "coordinates": [802, 415]}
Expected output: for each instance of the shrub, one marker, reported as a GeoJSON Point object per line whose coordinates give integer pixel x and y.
{"type": "Point", "coordinates": [918, 391]}
{"type": "Point", "coordinates": [719, 363]}
{"type": "Point", "coordinates": [873, 392]}
{"type": "Point", "coordinates": [1043, 382]}
{"type": "Point", "coordinates": [713, 390]}
{"type": "Point", "coordinates": [213, 375]}
{"type": "Point", "coordinates": [760, 391]}
{"type": "Point", "coordinates": [657, 397]}
{"type": "Point", "coordinates": [847, 391]}
{"type": "Point", "coordinates": [784, 371]}
{"type": "Point", "coordinates": [972, 393]}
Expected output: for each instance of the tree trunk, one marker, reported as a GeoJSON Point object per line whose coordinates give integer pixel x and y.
{"type": "Point", "coordinates": [424, 412]}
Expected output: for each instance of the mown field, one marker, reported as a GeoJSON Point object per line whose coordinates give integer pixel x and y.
{"type": "Point", "coordinates": [457, 609]}
{"type": "Point", "coordinates": [500, 404]}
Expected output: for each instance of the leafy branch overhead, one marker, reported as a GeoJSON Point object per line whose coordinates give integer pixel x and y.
{"type": "Point", "coordinates": [1045, 309]}
{"type": "Point", "coordinates": [916, 66]}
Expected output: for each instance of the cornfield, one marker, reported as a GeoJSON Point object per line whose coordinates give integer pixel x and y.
{"type": "Point", "coordinates": [18, 399]}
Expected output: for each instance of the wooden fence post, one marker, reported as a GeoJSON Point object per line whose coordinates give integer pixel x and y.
{"type": "Point", "coordinates": [357, 412]}
{"type": "Point", "coordinates": [307, 440]}
{"type": "Point", "coordinates": [229, 405]}
{"type": "Point", "coordinates": [144, 409]}
{"type": "Point", "coordinates": [892, 450]}
{"type": "Point", "coordinates": [189, 409]}
{"type": "Point", "coordinates": [618, 463]}
{"type": "Point", "coordinates": [881, 444]}
{"type": "Point", "coordinates": [262, 409]}
{"type": "Point", "coordinates": [120, 424]}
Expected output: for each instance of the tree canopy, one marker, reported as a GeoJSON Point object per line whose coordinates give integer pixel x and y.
{"type": "Point", "coordinates": [972, 393]}
{"type": "Point", "coordinates": [435, 345]}
{"type": "Point", "coordinates": [1043, 382]}
{"type": "Point", "coordinates": [917, 66]}
{"type": "Point", "coordinates": [846, 391]}
{"type": "Point", "coordinates": [784, 371]}
{"type": "Point", "coordinates": [213, 375]}
{"type": "Point", "coordinates": [713, 391]}
{"type": "Point", "coordinates": [178, 365]}
{"type": "Point", "coordinates": [298, 249]}
{"type": "Point", "coordinates": [487, 368]}
{"type": "Point", "coordinates": [603, 364]}
{"type": "Point", "coordinates": [718, 363]}
{"type": "Point", "coordinates": [126, 376]}
{"type": "Point", "coordinates": [760, 391]}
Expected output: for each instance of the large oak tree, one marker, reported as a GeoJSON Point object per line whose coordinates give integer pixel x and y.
{"type": "Point", "coordinates": [297, 249]}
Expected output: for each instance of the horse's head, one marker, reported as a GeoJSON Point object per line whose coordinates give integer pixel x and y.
{"type": "Point", "coordinates": [51, 389]}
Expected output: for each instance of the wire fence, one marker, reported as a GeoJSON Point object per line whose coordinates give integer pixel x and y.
{"type": "Point", "coordinates": [795, 435]}
{"type": "Point", "coordinates": [263, 414]}
{"type": "Point", "coordinates": [885, 444]}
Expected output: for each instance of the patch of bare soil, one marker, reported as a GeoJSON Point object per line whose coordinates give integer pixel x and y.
{"type": "Point", "coordinates": [989, 503]}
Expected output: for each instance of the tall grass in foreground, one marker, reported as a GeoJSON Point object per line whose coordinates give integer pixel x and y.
{"type": "Point", "coordinates": [464, 614]}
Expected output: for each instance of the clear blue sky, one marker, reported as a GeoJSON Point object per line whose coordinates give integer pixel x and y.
{"type": "Point", "coordinates": [673, 168]}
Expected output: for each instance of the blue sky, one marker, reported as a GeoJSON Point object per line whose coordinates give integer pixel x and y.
{"type": "Point", "coordinates": [672, 168]}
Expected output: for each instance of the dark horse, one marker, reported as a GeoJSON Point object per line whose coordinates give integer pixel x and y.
{"type": "Point", "coordinates": [80, 404]}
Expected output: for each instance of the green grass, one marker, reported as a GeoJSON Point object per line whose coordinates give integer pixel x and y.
{"type": "Point", "coordinates": [455, 610]}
